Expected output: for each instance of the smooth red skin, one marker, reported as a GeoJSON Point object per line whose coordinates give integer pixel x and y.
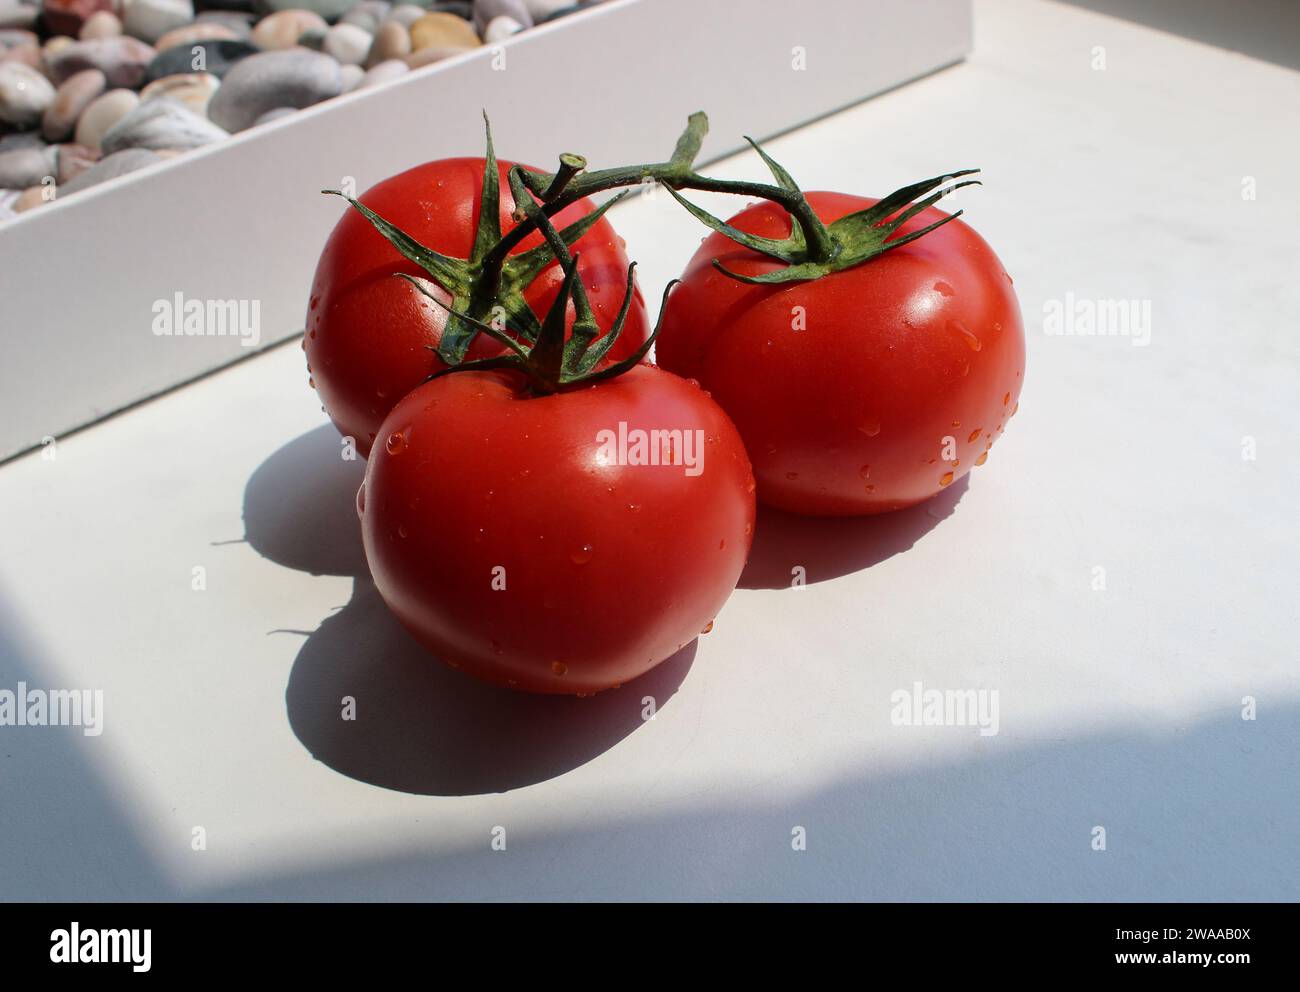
{"type": "Point", "coordinates": [368, 333]}
{"type": "Point", "coordinates": [880, 349]}
{"type": "Point", "coordinates": [486, 476]}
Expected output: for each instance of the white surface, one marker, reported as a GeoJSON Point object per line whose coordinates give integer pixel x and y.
{"type": "Point", "coordinates": [1118, 708]}
{"type": "Point", "coordinates": [243, 219]}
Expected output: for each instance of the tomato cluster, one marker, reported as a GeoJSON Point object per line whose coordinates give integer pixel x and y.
{"type": "Point", "coordinates": [548, 511]}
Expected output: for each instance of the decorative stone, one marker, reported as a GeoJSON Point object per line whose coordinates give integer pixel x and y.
{"type": "Point", "coordinates": [100, 24]}
{"type": "Point", "coordinates": [383, 72]}
{"type": "Point", "coordinates": [25, 167]}
{"type": "Point", "coordinates": [368, 14]}
{"type": "Point", "coordinates": [19, 16]}
{"type": "Point", "coordinates": [461, 8]}
{"type": "Point", "coordinates": [20, 139]}
{"type": "Point", "coordinates": [67, 16]}
{"type": "Point", "coordinates": [262, 82]}
{"type": "Point", "coordinates": [239, 23]}
{"type": "Point", "coordinates": [122, 60]}
{"type": "Point", "coordinates": [283, 29]}
{"type": "Point", "coordinates": [198, 31]}
{"type": "Point", "coordinates": [442, 31]}
{"type": "Point", "coordinates": [161, 123]}
{"type": "Point", "coordinates": [34, 196]}
{"type": "Point", "coordinates": [215, 57]}
{"type": "Point", "coordinates": [72, 161]}
{"type": "Point", "coordinates": [540, 10]}
{"type": "Point", "coordinates": [149, 20]}
{"type": "Point", "coordinates": [16, 37]}
{"type": "Point", "coordinates": [331, 10]}
{"type": "Point", "coordinates": [102, 114]}
{"type": "Point", "coordinates": [53, 46]}
{"type": "Point", "coordinates": [74, 95]}
{"type": "Point", "coordinates": [194, 89]}
{"type": "Point", "coordinates": [406, 14]}
{"type": "Point", "coordinates": [347, 43]}
{"type": "Point", "coordinates": [392, 41]}
{"type": "Point", "coordinates": [28, 55]}
{"type": "Point", "coordinates": [487, 10]}
{"type": "Point", "coordinates": [275, 115]}
{"type": "Point", "coordinates": [24, 95]}
{"type": "Point", "coordinates": [110, 167]}
{"type": "Point", "coordinates": [351, 75]}
{"type": "Point", "coordinates": [501, 28]}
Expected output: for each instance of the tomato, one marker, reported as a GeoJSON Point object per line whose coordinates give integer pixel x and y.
{"type": "Point", "coordinates": [518, 542]}
{"type": "Point", "coordinates": [868, 389]}
{"type": "Point", "coordinates": [368, 334]}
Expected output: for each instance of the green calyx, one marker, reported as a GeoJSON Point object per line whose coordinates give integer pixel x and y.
{"type": "Point", "coordinates": [849, 241]}
{"type": "Point", "coordinates": [487, 284]}
{"type": "Point", "coordinates": [553, 360]}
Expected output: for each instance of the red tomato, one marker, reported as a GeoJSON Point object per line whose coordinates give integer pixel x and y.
{"type": "Point", "coordinates": [517, 542]}
{"type": "Point", "coordinates": [368, 333]}
{"type": "Point", "coordinates": [869, 389]}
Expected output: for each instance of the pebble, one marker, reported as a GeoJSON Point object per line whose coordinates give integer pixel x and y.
{"type": "Point", "coordinates": [275, 114]}
{"type": "Point", "coordinates": [24, 95]}
{"type": "Point", "coordinates": [158, 124]}
{"type": "Point", "coordinates": [347, 43]}
{"type": "Point", "coordinates": [239, 23]}
{"type": "Point", "coordinates": [463, 9]}
{"type": "Point", "coordinates": [112, 166]}
{"type": "Point", "coordinates": [198, 31]}
{"type": "Point", "coordinates": [122, 60]}
{"type": "Point", "coordinates": [102, 114]}
{"type": "Point", "coordinates": [392, 41]}
{"type": "Point", "coordinates": [351, 75]}
{"type": "Point", "coordinates": [73, 160]}
{"type": "Point", "coordinates": [331, 10]}
{"type": "Point", "coordinates": [28, 55]}
{"type": "Point", "coordinates": [540, 10]}
{"type": "Point", "coordinates": [406, 14]}
{"type": "Point", "coordinates": [501, 28]}
{"type": "Point", "coordinates": [216, 57]}
{"type": "Point", "coordinates": [20, 139]}
{"type": "Point", "coordinates": [368, 14]}
{"type": "Point", "coordinates": [149, 20]}
{"type": "Point", "coordinates": [74, 95]}
{"type": "Point", "coordinates": [25, 167]}
{"type": "Point", "coordinates": [67, 16]}
{"type": "Point", "coordinates": [262, 82]}
{"type": "Point", "coordinates": [485, 11]}
{"type": "Point", "coordinates": [283, 29]}
{"type": "Point", "coordinates": [100, 24]}
{"type": "Point", "coordinates": [34, 196]}
{"type": "Point", "coordinates": [18, 15]}
{"type": "Point", "coordinates": [439, 30]}
{"type": "Point", "coordinates": [194, 89]}
{"type": "Point", "coordinates": [18, 37]}
{"type": "Point", "coordinates": [382, 72]}
{"type": "Point", "coordinates": [52, 48]}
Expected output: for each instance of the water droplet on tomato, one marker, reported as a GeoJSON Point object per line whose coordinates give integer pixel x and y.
{"type": "Point", "coordinates": [871, 428]}
{"type": "Point", "coordinates": [749, 529]}
{"type": "Point", "coordinates": [974, 435]}
{"type": "Point", "coordinates": [311, 382]}
{"type": "Point", "coordinates": [870, 489]}
{"type": "Point", "coordinates": [559, 667]}
{"type": "Point", "coordinates": [984, 456]}
{"type": "Point", "coordinates": [945, 479]}
{"type": "Point", "coordinates": [1006, 398]}
{"type": "Point", "coordinates": [722, 544]}
{"type": "Point", "coordinates": [1013, 410]}
{"type": "Point", "coordinates": [707, 627]}
{"type": "Point", "coordinates": [396, 443]}
{"type": "Point", "coordinates": [792, 475]}
{"type": "Point", "coordinates": [971, 340]}
{"type": "Point", "coordinates": [401, 530]}
{"type": "Point", "coordinates": [865, 471]}
{"type": "Point", "coordinates": [361, 500]}
{"type": "Point", "coordinates": [582, 555]}
{"type": "Point", "coordinates": [943, 288]}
